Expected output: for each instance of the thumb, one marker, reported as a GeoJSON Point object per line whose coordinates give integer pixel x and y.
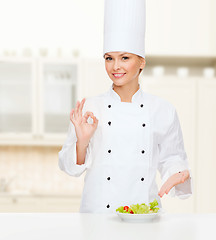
{"type": "Point", "coordinates": [183, 177]}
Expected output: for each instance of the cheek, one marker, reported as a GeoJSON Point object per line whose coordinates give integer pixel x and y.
{"type": "Point", "coordinates": [107, 67]}
{"type": "Point", "coordinates": [132, 68]}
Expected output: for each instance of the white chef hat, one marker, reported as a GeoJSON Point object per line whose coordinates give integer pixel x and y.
{"type": "Point", "coordinates": [124, 26]}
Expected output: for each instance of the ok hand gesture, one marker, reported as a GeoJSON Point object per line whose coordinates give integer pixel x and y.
{"type": "Point", "coordinates": [84, 130]}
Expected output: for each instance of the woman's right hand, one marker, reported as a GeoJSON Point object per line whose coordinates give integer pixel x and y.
{"type": "Point", "coordinates": [84, 130]}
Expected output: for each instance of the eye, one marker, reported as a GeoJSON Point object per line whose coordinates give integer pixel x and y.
{"type": "Point", "coordinates": [125, 58]}
{"type": "Point", "coordinates": [108, 58]}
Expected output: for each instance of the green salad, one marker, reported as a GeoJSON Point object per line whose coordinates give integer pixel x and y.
{"type": "Point", "coordinates": [139, 208]}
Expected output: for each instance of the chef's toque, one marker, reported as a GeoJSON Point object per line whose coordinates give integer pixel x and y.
{"type": "Point", "coordinates": [124, 26]}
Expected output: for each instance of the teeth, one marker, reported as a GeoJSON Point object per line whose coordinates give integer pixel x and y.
{"type": "Point", "coordinates": [118, 75]}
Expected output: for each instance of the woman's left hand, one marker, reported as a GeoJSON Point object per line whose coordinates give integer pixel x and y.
{"type": "Point", "coordinates": [174, 180]}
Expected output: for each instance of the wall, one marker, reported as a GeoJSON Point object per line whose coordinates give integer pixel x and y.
{"type": "Point", "coordinates": [35, 170]}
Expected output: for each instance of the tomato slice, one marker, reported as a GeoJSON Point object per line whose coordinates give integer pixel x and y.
{"type": "Point", "coordinates": [126, 208]}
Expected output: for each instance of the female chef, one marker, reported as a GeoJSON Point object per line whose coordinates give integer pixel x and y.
{"type": "Point", "coordinates": [123, 136]}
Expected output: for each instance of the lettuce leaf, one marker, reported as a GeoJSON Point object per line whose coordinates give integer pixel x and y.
{"type": "Point", "coordinates": [153, 204]}
{"type": "Point", "coordinates": [141, 208]}
{"type": "Point", "coordinates": [121, 210]}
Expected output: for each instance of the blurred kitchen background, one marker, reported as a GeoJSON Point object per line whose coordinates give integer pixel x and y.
{"type": "Point", "coordinates": [51, 56]}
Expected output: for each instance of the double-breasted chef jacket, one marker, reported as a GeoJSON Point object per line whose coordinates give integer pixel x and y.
{"type": "Point", "coordinates": [132, 141]}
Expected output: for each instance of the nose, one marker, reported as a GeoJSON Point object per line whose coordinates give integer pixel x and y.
{"type": "Point", "coordinates": [116, 65]}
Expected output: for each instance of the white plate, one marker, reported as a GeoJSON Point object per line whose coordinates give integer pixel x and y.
{"type": "Point", "coordinates": [139, 217]}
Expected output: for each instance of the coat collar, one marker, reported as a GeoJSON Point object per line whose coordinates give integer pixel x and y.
{"type": "Point", "coordinates": [135, 98]}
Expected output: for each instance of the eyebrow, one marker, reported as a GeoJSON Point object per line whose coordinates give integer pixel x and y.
{"type": "Point", "coordinates": [119, 55]}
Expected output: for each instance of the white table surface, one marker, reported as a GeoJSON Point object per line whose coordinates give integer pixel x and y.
{"type": "Point", "coordinates": [80, 226]}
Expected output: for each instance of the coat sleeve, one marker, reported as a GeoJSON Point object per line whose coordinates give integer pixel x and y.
{"type": "Point", "coordinates": [68, 156]}
{"type": "Point", "coordinates": [173, 158]}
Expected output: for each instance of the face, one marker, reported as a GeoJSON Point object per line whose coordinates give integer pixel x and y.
{"type": "Point", "coordinates": [123, 68]}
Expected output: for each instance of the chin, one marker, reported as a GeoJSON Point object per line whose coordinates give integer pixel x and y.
{"type": "Point", "coordinates": [118, 83]}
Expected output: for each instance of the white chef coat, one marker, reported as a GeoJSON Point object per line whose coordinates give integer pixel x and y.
{"type": "Point", "coordinates": [132, 141]}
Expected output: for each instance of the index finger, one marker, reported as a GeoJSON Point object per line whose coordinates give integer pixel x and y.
{"type": "Point", "coordinates": [81, 107]}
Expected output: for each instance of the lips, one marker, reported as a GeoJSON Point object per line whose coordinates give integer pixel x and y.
{"type": "Point", "coordinates": [118, 75]}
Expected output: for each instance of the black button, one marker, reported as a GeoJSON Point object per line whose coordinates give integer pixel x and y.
{"type": "Point", "coordinates": [142, 179]}
{"type": "Point", "coordinates": [109, 123]}
{"type": "Point", "coordinates": [108, 206]}
{"type": "Point", "coordinates": [141, 105]}
{"type": "Point", "coordinates": [143, 125]}
{"type": "Point", "coordinates": [109, 151]}
{"type": "Point", "coordinates": [108, 178]}
{"type": "Point", "coordinates": [109, 106]}
{"type": "Point", "coordinates": [143, 151]}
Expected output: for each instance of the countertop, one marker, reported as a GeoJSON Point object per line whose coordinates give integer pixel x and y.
{"type": "Point", "coordinates": [80, 226]}
{"type": "Point", "coordinates": [23, 194]}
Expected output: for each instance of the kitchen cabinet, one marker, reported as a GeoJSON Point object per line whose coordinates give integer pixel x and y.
{"type": "Point", "coordinates": [206, 145]}
{"type": "Point", "coordinates": [181, 27]}
{"type": "Point", "coordinates": [17, 81]}
{"type": "Point", "coordinates": [37, 94]}
{"type": "Point", "coordinates": [36, 97]}
{"type": "Point", "coordinates": [58, 86]}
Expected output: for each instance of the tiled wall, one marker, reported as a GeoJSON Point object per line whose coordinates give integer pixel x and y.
{"type": "Point", "coordinates": [35, 170]}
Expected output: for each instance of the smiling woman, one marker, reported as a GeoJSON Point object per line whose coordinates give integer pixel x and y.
{"type": "Point", "coordinates": [124, 68]}
{"type": "Point", "coordinates": [130, 134]}
{"type": "Point", "coordinates": [119, 64]}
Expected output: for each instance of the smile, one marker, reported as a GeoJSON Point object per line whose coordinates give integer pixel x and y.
{"type": "Point", "coordinates": [118, 75]}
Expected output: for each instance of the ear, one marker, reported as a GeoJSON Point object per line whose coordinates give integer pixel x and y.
{"type": "Point", "coordinates": [143, 62]}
